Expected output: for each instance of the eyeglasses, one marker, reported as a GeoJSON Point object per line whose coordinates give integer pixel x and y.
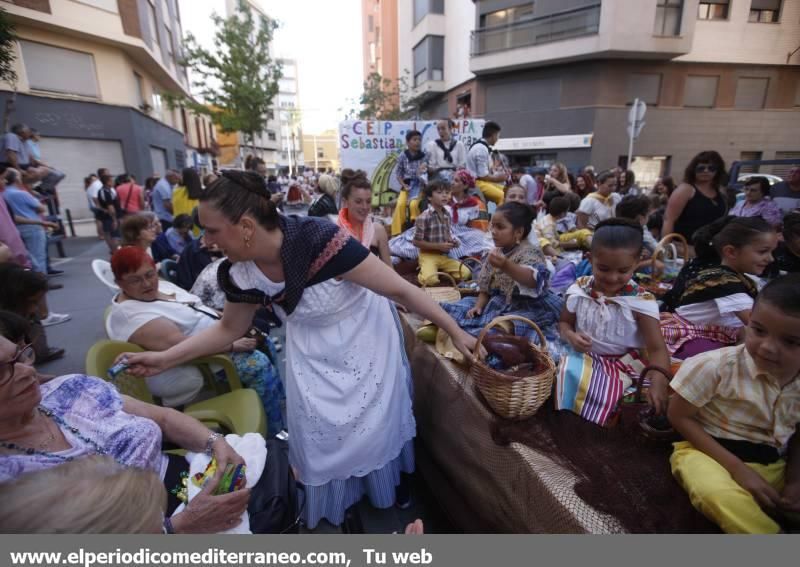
{"type": "Point", "coordinates": [139, 280]}
{"type": "Point", "coordinates": [25, 355]}
{"type": "Point", "coordinates": [705, 168]}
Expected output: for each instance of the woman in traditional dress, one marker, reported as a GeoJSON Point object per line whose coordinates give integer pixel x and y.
{"type": "Point", "coordinates": [355, 216]}
{"type": "Point", "coordinates": [351, 426]}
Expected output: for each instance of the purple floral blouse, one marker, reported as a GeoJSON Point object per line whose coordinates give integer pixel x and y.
{"type": "Point", "coordinates": [94, 407]}
{"type": "Point", "coordinates": [765, 208]}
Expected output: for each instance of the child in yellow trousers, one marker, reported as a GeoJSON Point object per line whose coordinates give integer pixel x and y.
{"type": "Point", "coordinates": [737, 408]}
{"type": "Point", "coordinates": [434, 237]}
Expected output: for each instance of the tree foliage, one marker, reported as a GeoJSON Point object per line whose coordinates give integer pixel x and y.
{"type": "Point", "coordinates": [7, 53]}
{"type": "Point", "coordinates": [385, 99]}
{"type": "Point", "coordinates": [237, 81]}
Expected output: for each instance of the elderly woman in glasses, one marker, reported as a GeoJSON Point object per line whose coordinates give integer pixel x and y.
{"type": "Point", "coordinates": [71, 417]}
{"type": "Point", "coordinates": [700, 199]}
{"type": "Point", "coordinates": [157, 315]}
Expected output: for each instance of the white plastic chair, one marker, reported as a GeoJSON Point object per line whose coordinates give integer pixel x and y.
{"type": "Point", "coordinates": [102, 269]}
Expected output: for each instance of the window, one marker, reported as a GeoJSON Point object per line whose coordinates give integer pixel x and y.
{"type": "Point", "coordinates": [507, 16]}
{"type": "Point", "coordinates": [700, 92]}
{"type": "Point", "coordinates": [170, 50]}
{"type": "Point", "coordinates": [370, 23]}
{"type": "Point", "coordinates": [765, 11]}
{"type": "Point", "coordinates": [151, 20]}
{"type": "Point", "coordinates": [320, 153]}
{"type": "Point", "coordinates": [59, 70]}
{"type": "Point", "coordinates": [139, 89]}
{"type": "Point", "coordinates": [158, 106]}
{"type": "Point", "coordinates": [713, 10]}
{"type": "Point", "coordinates": [751, 92]}
{"type": "Point", "coordinates": [271, 136]}
{"type": "Point", "coordinates": [749, 156]}
{"type": "Point", "coordinates": [668, 17]}
{"type": "Point", "coordinates": [429, 60]}
{"type": "Point", "coordinates": [424, 7]}
{"type": "Point", "coordinates": [644, 86]}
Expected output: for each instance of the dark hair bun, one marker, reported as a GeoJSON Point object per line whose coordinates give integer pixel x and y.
{"type": "Point", "coordinates": [249, 180]}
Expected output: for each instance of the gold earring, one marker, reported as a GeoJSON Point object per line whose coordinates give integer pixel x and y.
{"type": "Point", "coordinates": [247, 241]}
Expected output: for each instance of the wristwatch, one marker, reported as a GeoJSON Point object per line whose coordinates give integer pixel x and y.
{"type": "Point", "coordinates": [212, 438]}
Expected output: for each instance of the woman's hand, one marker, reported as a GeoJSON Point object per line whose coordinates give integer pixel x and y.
{"type": "Point", "coordinates": [144, 364]}
{"type": "Point", "coordinates": [208, 514]}
{"type": "Point", "coordinates": [225, 454]}
{"type": "Point", "coordinates": [465, 343]}
{"type": "Point", "coordinates": [766, 496]}
{"type": "Point", "coordinates": [244, 344]}
{"type": "Point", "coordinates": [581, 342]}
{"type": "Point", "coordinates": [497, 259]}
{"type": "Point", "coordinates": [658, 392]}
{"type": "Point", "coordinates": [474, 312]}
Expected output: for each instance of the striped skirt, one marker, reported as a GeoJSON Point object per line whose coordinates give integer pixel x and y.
{"type": "Point", "coordinates": [331, 500]}
{"type": "Point", "coordinates": [679, 331]}
{"type": "Point", "coordinates": [592, 385]}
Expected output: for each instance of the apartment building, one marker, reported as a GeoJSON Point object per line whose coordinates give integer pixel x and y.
{"type": "Point", "coordinates": [322, 151]}
{"type": "Point", "coordinates": [91, 74]}
{"type": "Point", "coordinates": [560, 76]}
{"type": "Point", "coordinates": [379, 38]}
{"type": "Point", "coordinates": [291, 157]}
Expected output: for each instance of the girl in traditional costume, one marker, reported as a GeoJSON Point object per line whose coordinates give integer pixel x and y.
{"type": "Point", "coordinates": [713, 297]}
{"type": "Point", "coordinates": [514, 280]}
{"type": "Point", "coordinates": [607, 319]}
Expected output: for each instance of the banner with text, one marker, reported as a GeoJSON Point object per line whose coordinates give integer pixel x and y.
{"type": "Point", "coordinates": [373, 145]}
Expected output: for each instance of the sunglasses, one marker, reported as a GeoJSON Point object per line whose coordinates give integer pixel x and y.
{"type": "Point", "coordinates": [24, 355]}
{"type": "Point", "coordinates": [705, 168]}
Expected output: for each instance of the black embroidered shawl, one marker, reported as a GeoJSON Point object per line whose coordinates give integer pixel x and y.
{"type": "Point", "coordinates": [715, 282]}
{"type": "Point", "coordinates": [314, 250]}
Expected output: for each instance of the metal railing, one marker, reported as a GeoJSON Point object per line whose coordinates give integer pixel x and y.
{"type": "Point", "coordinates": [568, 24]}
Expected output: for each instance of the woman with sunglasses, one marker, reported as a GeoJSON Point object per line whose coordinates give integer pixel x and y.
{"type": "Point", "coordinates": [700, 199]}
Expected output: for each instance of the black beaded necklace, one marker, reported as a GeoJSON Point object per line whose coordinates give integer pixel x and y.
{"type": "Point", "coordinates": [60, 421]}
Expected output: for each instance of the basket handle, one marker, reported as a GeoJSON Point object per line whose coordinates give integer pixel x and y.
{"type": "Point", "coordinates": [640, 382]}
{"type": "Point", "coordinates": [661, 248]}
{"type": "Point", "coordinates": [471, 270]}
{"type": "Point", "coordinates": [448, 276]}
{"type": "Point", "coordinates": [496, 321]}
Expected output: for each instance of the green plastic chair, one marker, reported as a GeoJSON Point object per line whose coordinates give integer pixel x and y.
{"type": "Point", "coordinates": [239, 411]}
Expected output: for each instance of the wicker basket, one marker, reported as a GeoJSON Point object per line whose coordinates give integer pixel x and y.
{"type": "Point", "coordinates": [444, 294]}
{"type": "Point", "coordinates": [667, 243]}
{"type": "Point", "coordinates": [508, 396]}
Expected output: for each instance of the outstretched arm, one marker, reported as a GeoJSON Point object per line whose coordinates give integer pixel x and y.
{"type": "Point", "coordinates": [378, 277]}
{"type": "Point", "coordinates": [236, 320]}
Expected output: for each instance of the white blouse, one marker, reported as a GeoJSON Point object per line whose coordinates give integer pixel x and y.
{"type": "Point", "coordinates": [609, 321]}
{"type": "Point", "coordinates": [177, 386]}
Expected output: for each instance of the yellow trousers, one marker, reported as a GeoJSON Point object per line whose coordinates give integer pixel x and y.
{"type": "Point", "coordinates": [402, 207]}
{"type": "Point", "coordinates": [718, 497]}
{"type": "Point", "coordinates": [432, 262]}
{"type": "Point", "coordinates": [583, 236]}
{"type": "Point", "coordinates": [492, 191]}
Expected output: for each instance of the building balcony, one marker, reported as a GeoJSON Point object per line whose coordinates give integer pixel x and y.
{"type": "Point", "coordinates": [577, 22]}
{"type": "Point", "coordinates": [589, 32]}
